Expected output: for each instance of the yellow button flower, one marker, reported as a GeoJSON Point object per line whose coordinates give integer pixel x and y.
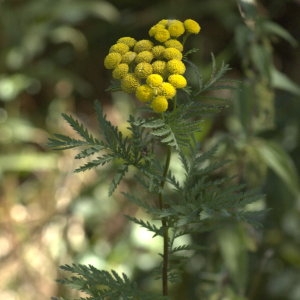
{"type": "Point", "coordinates": [129, 83]}
{"type": "Point", "coordinates": [191, 26]}
{"type": "Point", "coordinates": [172, 53]}
{"type": "Point", "coordinates": [119, 48]}
{"type": "Point", "coordinates": [144, 56]}
{"type": "Point", "coordinates": [143, 70]}
{"type": "Point", "coordinates": [153, 30]}
{"type": "Point", "coordinates": [154, 80]}
{"type": "Point", "coordinates": [120, 71]}
{"type": "Point", "coordinates": [175, 66]}
{"type": "Point", "coordinates": [178, 81]}
{"type": "Point", "coordinates": [176, 28]}
{"type": "Point", "coordinates": [111, 60]}
{"type": "Point", "coordinates": [172, 43]}
{"type": "Point", "coordinates": [162, 35]}
{"type": "Point", "coordinates": [144, 93]}
{"type": "Point", "coordinates": [167, 89]}
{"type": "Point", "coordinates": [160, 67]}
{"type": "Point", "coordinates": [163, 22]}
{"type": "Point", "coordinates": [158, 51]}
{"type": "Point", "coordinates": [159, 104]}
{"type": "Point", "coordinates": [143, 45]}
{"type": "Point", "coordinates": [128, 57]}
{"type": "Point", "coordinates": [129, 41]}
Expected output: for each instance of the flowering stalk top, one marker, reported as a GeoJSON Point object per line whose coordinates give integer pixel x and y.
{"type": "Point", "coordinates": [152, 69]}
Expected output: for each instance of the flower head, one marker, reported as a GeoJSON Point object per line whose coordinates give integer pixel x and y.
{"type": "Point", "coordinates": [173, 43]}
{"type": "Point", "coordinates": [153, 30]}
{"type": "Point", "coordinates": [143, 70]}
{"type": "Point", "coordinates": [129, 41]}
{"type": "Point", "coordinates": [129, 83]}
{"type": "Point", "coordinates": [167, 89]}
{"type": "Point", "coordinates": [191, 26]}
{"type": "Point", "coordinates": [144, 93]}
{"type": "Point", "coordinates": [144, 56]}
{"type": "Point", "coordinates": [158, 51]}
{"type": "Point", "coordinates": [120, 71]}
{"type": "Point", "coordinates": [172, 53]}
{"type": "Point", "coordinates": [175, 66]}
{"type": "Point", "coordinates": [160, 67]}
{"type": "Point", "coordinates": [128, 57]}
{"type": "Point", "coordinates": [175, 28]}
{"type": "Point", "coordinates": [162, 35]}
{"type": "Point", "coordinates": [143, 45]}
{"type": "Point", "coordinates": [152, 69]}
{"type": "Point", "coordinates": [112, 59]}
{"type": "Point", "coordinates": [178, 81]}
{"type": "Point", "coordinates": [159, 104]}
{"type": "Point", "coordinates": [154, 80]}
{"type": "Point", "coordinates": [119, 48]}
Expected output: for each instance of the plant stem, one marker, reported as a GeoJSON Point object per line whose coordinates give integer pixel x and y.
{"type": "Point", "coordinates": [165, 228]}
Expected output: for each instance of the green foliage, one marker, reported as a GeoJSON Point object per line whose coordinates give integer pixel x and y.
{"type": "Point", "coordinates": [103, 285]}
{"type": "Point", "coordinates": [50, 56]}
{"type": "Point", "coordinates": [201, 202]}
{"type": "Point", "coordinates": [113, 148]}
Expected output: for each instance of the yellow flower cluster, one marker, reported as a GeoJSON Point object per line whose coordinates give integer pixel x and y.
{"type": "Point", "coordinates": [153, 70]}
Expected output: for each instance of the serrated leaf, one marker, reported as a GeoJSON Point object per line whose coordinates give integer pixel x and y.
{"type": "Point", "coordinates": [154, 123]}
{"type": "Point", "coordinates": [88, 152]}
{"type": "Point", "coordinates": [100, 161]}
{"type": "Point", "coordinates": [146, 224]}
{"type": "Point", "coordinates": [164, 130]}
{"type": "Point", "coordinates": [117, 178]}
{"type": "Point", "coordinates": [79, 128]}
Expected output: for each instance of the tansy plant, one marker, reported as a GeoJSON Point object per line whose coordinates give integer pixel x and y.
{"type": "Point", "coordinates": [157, 72]}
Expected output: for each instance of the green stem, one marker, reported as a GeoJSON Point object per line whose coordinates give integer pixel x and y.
{"type": "Point", "coordinates": [164, 222]}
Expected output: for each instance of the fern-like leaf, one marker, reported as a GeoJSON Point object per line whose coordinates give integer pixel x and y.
{"type": "Point", "coordinates": [146, 224]}
{"type": "Point", "coordinates": [80, 129]}
{"type": "Point", "coordinates": [121, 172]}
{"type": "Point", "coordinates": [103, 285]}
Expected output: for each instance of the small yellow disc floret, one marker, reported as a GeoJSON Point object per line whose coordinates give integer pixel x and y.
{"type": "Point", "coordinates": [162, 35]}
{"type": "Point", "coordinates": [154, 80]}
{"type": "Point", "coordinates": [153, 30]}
{"type": "Point", "coordinates": [129, 41]}
{"type": "Point", "coordinates": [175, 28]}
{"type": "Point", "coordinates": [163, 22]}
{"type": "Point", "coordinates": [172, 43]}
{"type": "Point", "coordinates": [191, 26]}
{"type": "Point", "coordinates": [144, 93]}
{"type": "Point", "coordinates": [159, 104]}
{"type": "Point", "coordinates": [112, 60]}
{"type": "Point", "coordinates": [128, 57]}
{"type": "Point", "coordinates": [119, 48]}
{"type": "Point", "coordinates": [144, 56]}
{"type": "Point", "coordinates": [159, 67]}
{"type": "Point", "coordinates": [175, 66]}
{"type": "Point", "coordinates": [172, 53]}
{"type": "Point", "coordinates": [143, 45]}
{"type": "Point", "coordinates": [120, 71]}
{"type": "Point", "coordinates": [158, 51]}
{"type": "Point", "coordinates": [178, 81]}
{"type": "Point", "coordinates": [143, 70]}
{"type": "Point", "coordinates": [129, 83]}
{"type": "Point", "coordinates": [167, 89]}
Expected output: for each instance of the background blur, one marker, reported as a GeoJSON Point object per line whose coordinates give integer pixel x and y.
{"type": "Point", "coordinates": [51, 61]}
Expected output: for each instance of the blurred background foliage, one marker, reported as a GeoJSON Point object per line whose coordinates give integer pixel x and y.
{"type": "Point", "coordinates": [51, 61]}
